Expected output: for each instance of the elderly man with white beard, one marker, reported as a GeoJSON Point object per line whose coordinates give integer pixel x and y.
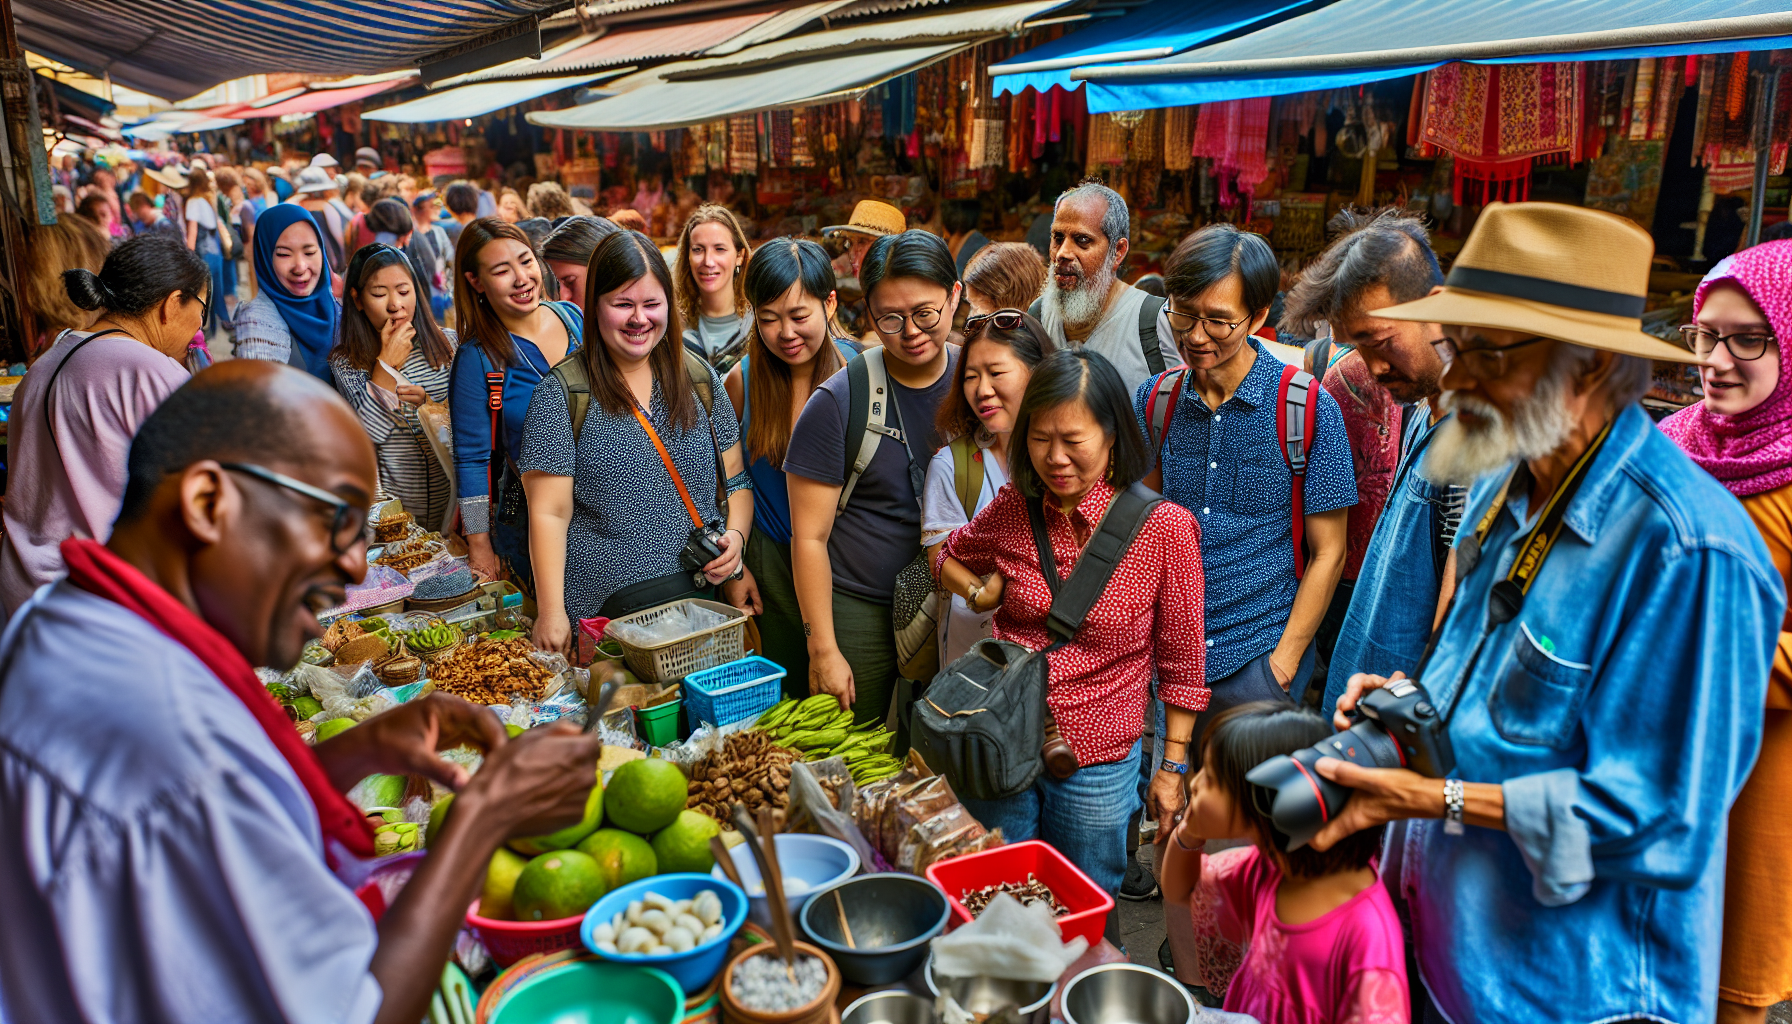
{"type": "Point", "coordinates": [1600, 672]}
{"type": "Point", "coordinates": [1085, 304]}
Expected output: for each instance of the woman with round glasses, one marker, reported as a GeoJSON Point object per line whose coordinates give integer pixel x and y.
{"type": "Point", "coordinates": [1000, 350]}
{"type": "Point", "coordinates": [1742, 434]}
{"type": "Point", "coordinates": [846, 554]}
{"type": "Point", "coordinates": [388, 363]}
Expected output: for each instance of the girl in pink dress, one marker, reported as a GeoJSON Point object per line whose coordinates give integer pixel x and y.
{"type": "Point", "coordinates": [1298, 937]}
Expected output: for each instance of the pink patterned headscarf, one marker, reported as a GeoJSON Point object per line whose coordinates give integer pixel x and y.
{"type": "Point", "coordinates": [1751, 452]}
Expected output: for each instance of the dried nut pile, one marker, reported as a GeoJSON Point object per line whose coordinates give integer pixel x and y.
{"type": "Point", "coordinates": [1034, 891]}
{"type": "Point", "coordinates": [491, 671]}
{"type": "Point", "coordinates": [749, 769]}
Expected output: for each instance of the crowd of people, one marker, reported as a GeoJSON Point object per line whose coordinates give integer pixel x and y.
{"type": "Point", "coordinates": [1454, 484]}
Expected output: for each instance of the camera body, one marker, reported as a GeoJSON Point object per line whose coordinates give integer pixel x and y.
{"type": "Point", "coordinates": [702, 547]}
{"type": "Point", "coordinates": [1396, 726]}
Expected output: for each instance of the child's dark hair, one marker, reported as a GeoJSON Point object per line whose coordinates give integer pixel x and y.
{"type": "Point", "coordinates": [1241, 738]}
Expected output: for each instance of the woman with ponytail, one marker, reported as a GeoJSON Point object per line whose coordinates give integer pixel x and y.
{"type": "Point", "coordinates": [74, 415]}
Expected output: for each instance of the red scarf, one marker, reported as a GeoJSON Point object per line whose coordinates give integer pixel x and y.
{"type": "Point", "coordinates": [95, 569]}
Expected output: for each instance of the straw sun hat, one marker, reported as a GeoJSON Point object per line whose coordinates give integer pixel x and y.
{"type": "Point", "coordinates": [1562, 272]}
{"type": "Point", "coordinates": [873, 218]}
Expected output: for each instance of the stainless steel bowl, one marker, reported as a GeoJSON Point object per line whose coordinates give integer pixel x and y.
{"type": "Point", "coordinates": [984, 995]}
{"type": "Point", "coordinates": [1126, 994]}
{"type": "Point", "coordinates": [892, 1006]}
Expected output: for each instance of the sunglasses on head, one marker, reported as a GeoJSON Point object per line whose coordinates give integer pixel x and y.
{"type": "Point", "coordinates": [1001, 320]}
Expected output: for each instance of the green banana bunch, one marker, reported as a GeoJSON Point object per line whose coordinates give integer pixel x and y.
{"type": "Point", "coordinates": [437, 635]}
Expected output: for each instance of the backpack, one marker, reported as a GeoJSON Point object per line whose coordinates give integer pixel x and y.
{"type": "Point", "coordinates": [1148, 310]}
{"type": "Point", "coordinates": [967, 473]}
{"type": "Point", "coordinates": [1296, 412]}
{"type": "Point", "coordinates": [915, 601]}
{"type": "Point", "coordinates": [575, 384]}
{"type": "Point", "coordinates": [981, 723]}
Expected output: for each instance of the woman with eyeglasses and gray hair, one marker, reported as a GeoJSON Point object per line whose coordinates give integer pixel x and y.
{"type": "Point", "coordinates": [390, 361]}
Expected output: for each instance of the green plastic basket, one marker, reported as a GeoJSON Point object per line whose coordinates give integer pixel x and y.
{"type": "Point", "coordinates": [659, 724]}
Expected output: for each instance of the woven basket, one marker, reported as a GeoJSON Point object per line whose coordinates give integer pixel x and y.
{"type": "Point", "coordinates": [672, 660]}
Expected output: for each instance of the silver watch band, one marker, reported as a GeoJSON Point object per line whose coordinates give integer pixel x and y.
{"type": "Point", "coordinates": [1453, 801]}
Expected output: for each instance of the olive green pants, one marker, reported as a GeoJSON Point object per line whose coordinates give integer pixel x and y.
{"type": "Point", "coordinates": [862, 629]}
{"type": "Point", "coordinates": [780, 619]}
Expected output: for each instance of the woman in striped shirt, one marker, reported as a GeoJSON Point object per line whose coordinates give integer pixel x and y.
{"type": "Point", "coordinates": [382, 333]}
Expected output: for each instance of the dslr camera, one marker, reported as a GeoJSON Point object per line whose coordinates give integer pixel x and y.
{"type": "Point", "coordinates": [1396, 726]}
{"type": "Point", "coordinates": [702, 547]}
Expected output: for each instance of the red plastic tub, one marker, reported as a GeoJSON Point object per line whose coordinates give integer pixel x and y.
{"type": "Point", "coordinates": [510, 941]}
{"type": "Point", "coordinates": [1088, 905]}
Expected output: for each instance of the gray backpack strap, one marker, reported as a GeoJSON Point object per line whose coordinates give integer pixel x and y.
{"type": "Point", "coordinates": [1037, 309]}
{"type": "Point", "coordinates": [868, 417]}
{"type": "Point", "coordinates": [1154, 353]}
{"type": "Point", "coordinates": [576, 386]}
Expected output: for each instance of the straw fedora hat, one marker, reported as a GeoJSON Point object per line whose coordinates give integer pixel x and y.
{"type": "Point", "coordinates": [173, 176]}
{"type": "Point", "coordinates": [873, 218]}
{"type": "Point", "coordinates": [1562, 272]}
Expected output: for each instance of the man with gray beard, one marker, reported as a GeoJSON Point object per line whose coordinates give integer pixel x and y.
{"type": "Point", "coordinates": [1600, 672]}
{"type": "Point", "coordinates": [1085, 303]}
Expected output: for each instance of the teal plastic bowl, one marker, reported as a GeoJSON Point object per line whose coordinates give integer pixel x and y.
{"type": "Point", "coordinates": [594, 992]}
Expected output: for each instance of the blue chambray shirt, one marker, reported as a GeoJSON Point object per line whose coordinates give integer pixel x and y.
{"type": "Point", "coordinates": [1620, 711]}
{"type": "Point", "coordinates": [1225, 465]}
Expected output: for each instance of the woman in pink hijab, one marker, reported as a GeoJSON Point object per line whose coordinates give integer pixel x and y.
{"type": "Point", "coordinates": [1742, 434]}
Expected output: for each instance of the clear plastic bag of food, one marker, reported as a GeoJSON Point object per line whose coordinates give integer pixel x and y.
{"type": "Point", "coordinates": [950, 833]}
{"type": "Point", "coordinates": [822, 797]}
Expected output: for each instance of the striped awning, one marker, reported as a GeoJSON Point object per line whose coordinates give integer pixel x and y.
{"type": "Point", "coordinates": [175, 48]}
{"type": "Point", "coordinates": [327, 99]}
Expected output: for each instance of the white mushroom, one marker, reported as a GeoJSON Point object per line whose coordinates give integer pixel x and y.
{"type": "Point", "coordinates": [654, 899]}
{"type": "Point", "coordinates": [635, 940]}
{"type": "Point", "coordinates": [679, 940]}
{"type": "Point", "coordinates": [655, 921]}
{"type": "Point", "coordinates": [711, 932]}
{"type": "Point", "coordinates": [604, 932]}
{"type": "Point", "coordinates": [659, 950]}
{"type": "Point", "coordinates": [690, 923]}
{"type": "Point", "coordinates": [707, 907]}
{"type": "Point", "coordinates": [680, 907]}
{"type": "Point", "coordinates": [617, 923]}
{"type": "Point", "coordinates": [634, 912]}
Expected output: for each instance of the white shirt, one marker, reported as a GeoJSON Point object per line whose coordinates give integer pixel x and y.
{"type": "Point", "coordinates": [159, 860]}
{"type": "Point", "coordinates": [203, 212]}
{"type": "Point", "coordinates": [1116, 337]}
{"type": "Point", "coordinates": [941, 513]}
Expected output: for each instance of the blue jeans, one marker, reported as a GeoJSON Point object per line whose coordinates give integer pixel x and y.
{"type": "Point", "coordinates": [1255, 681]}
{"type": "Point", "coordinates": [1084, 817]}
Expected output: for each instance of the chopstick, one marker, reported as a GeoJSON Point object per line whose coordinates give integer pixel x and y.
{"type": "Point", "coordinates": [719, 850]}
{"type": "Point", "coordinates": [766, 857]}
{"type": "Point", "coordinates": [845, 928]}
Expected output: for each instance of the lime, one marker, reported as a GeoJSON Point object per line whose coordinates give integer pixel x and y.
{"type": "Point", "coordinates": [684, 844]}
{"type": "Point", "coordinates": [305, 707]}
{"type": "Point", "coordinates": [513, 730]}
{"type": "Point", "coordinates": [570, 835]}
{"type": "Point", "coordinates": [438, 816]}
{"type": "Point", "coordinates": [623, 856]}
{"type": "Point", "coordinates": [563, 883]}
{"type": "Point", "coordinates": [500, 884]}
{"type": "Point", "coordinates": [333, 727]}
{"type": "Point", "coordinates": [645, 796]}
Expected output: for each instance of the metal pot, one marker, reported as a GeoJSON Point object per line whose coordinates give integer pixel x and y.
{"type": "Point", "coordinates": [1125, 993]}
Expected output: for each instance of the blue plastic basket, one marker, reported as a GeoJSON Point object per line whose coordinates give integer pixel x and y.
{"type": "Point", "coordinates": [728, 693]}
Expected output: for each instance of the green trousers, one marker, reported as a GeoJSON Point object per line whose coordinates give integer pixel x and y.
{"type": "Point", "coordinates": [781, 620]}
{"type": "Point", "coordinates": [862, 629]}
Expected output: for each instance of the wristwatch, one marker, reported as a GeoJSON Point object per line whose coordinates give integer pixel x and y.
{"type": "Point", "coordinates": [972, 594]}
{"type": "Point", "coordinates": [1176, 767]}
{"type": "Point", "coordinates": [1453, 802]}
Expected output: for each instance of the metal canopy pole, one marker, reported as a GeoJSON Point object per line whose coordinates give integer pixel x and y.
{"type": "Point", "coordinates": [1764, 104]}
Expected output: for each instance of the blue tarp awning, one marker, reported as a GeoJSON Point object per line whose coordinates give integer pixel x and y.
{"type": "Point", "coordinates": [176, 48]}
{"type": "Point", "coordinates": [1351, 42]}
{"type": "Point", "coordinates": [1158, 29]}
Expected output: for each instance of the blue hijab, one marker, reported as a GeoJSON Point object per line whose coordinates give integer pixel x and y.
{"type": "Point", "coordinates": [312, 319]}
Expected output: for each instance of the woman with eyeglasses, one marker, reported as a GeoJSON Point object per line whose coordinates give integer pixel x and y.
{"type": "Point", "coordinates": [1001, 348]}
{"type": "Point", "coordinates": [848, 546]}
{"type": "Point", "coordinates": [76, 412]}
{"type": "Point", "coordinates": [389, 362]}
{"type": "Point", "coordinates": [794, 347]}
{"type": "Point", "coordinates": [512, 339]}
{"type": "Point", "coordinates": [1742, 434]}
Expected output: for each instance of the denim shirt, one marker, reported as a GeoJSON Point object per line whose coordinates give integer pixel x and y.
{"type": "Point", "coordinates": [1395, 600]}
{"type": "Point", "coordinates": [1620, 711]}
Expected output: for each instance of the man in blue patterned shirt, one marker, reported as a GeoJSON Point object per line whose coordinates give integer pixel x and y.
{"type": "Point", "coordinates": [1222, 459]}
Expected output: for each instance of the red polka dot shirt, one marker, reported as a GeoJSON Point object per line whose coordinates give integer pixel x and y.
{"type": "Point", "coordinates": [1148, 617]}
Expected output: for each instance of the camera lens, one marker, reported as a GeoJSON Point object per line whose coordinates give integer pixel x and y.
{"type": "Point", "coordinates": [1289, 790]}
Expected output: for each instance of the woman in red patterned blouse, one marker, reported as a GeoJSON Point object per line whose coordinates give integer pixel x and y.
{"type": "Point", "coordinates": [1076, 444]}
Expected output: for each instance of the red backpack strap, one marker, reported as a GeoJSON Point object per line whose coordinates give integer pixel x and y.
{"type": "Point", "coordinates": [1296, 414]}
{"type": "Point", "coordinates": [1160, 405]}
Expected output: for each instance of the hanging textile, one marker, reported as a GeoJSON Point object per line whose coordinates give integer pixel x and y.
{"type": "Point", "coordinates": [1702, 116]}
{"type": "Point", "coordinates": [1235, 135]}
{"type": "Point", "coordinates": [743, 145]}
{"type": "Point", "coordinates": [1640, 107]}
{"type": "Point", "coordinates": [1495, 119]}
{"type": "Point", "coordinates": [716, 145]}
{"type": "Point", "coordinates": [1782, 126]}
{"type": "Point", "coordinates": [781, 131]}
{"type": "Point", "coordinates": [1668, 83]}
{"type": "Point", "coordinates": [1179, 138]}
{"type": "Point", "coordinates": [801, 127]}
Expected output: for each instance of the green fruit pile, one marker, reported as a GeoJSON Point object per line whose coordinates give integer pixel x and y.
{"type": "Point", "coordinates": [437, 636]}
{"type": "Point", "coordinates": [821, 729]}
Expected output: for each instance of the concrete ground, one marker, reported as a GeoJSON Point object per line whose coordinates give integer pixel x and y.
{"type": "Point", "coordinates": [1142, 929]}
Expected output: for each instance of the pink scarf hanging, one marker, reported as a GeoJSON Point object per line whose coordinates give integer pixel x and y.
{"type": "Point", "coordinates": [1751, 452]}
